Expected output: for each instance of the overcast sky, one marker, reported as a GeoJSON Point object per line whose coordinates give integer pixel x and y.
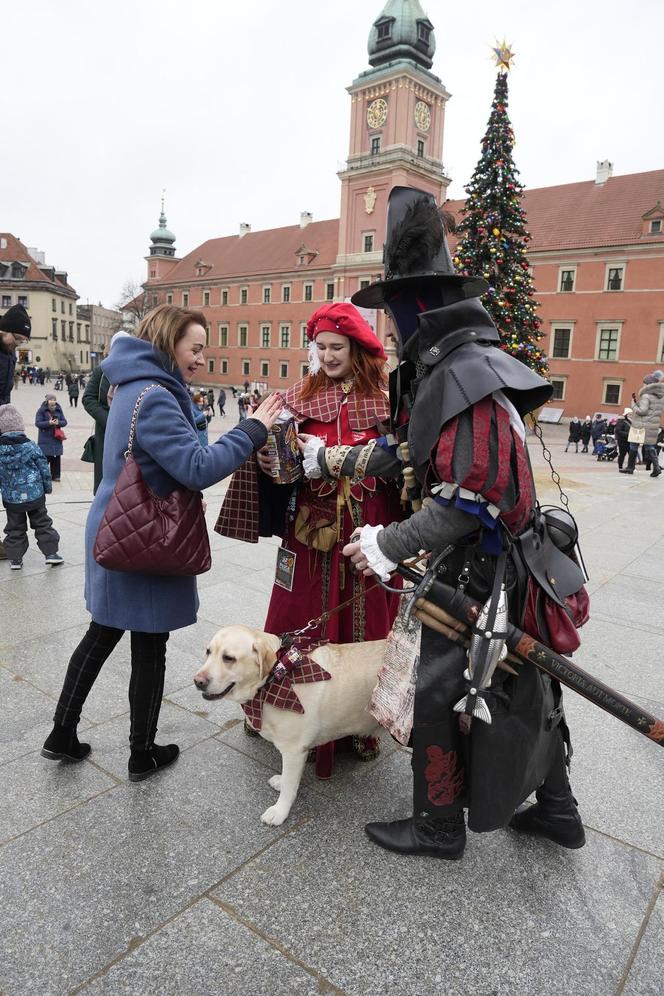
{"type": "Point", "coordinates": [239, 110]}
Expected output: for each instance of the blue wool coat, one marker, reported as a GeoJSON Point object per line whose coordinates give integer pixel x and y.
{"type": "Point", "coordinates": [48, 444]}
{"type": "Point", "coordinates": [169, 453]}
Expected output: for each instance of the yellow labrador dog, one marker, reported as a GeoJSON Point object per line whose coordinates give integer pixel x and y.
{"type": "Point", "coordinates": [238, 662]}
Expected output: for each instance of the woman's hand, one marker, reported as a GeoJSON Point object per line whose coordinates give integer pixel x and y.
{"type": "Point", "coordinates": [266, 462]}
{"type": "Point", "coordinates": [268, 410]}
{"type": "Point", "coordinates": [302, 440]}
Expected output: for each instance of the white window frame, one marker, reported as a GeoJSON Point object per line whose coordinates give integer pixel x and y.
{"type": "Point", "coordinates": [363, 282]}
{"type": "Point", "coordinates": [246, 368]}
{"type": "Point", "coordinates": [265, 368]}
{"type": "Point", "coordinates": [307, 283]}
{"type": "Point", "coordinates": [266, 327]}
{"type": "Point", "coordinates": [223, 366]}
{"type": "Point", "coordinates": [612, 382]}
{"type": "Point", "coordinates": [210, 366]}
{"type": "Point", "coordinates": [559, 326]}
{"type": "Point", "coordinates": [569, 268]}
{"type": "Point", "coordinates": [268, 288]}
{"type": "Point", "coordinates": [206, 298]}
{"type": "Point", "coordinates": [560, 379]}
{"type": "Point", "coordinates": [328, 284]}
{"type": "Point", "coordinates": [284, 288]}
{"type": "Point", "coordinates": [185, 299]}
{"type": "Point", "coordinates": [283, 369]}
{"type": "Point", "coordinates": [222, 327]}
{"type": "Point", "coordinates": [618, 264]}
{"type": "Point", "coordinates": [304, 338]}
{"type": "Point", "coordinates": [244, 290]}
{"type": "Point", "coordinates": [242, 327]}
{"type": "Point", "coordinates": [604, 327]}
{"type": "Point", "coordinates": [304, 369]}
{"type": "Point", "coordinates": [658, 221]}
{"type": "Point", "coordinates": [372, 233]}
{"type": "Point", "coordinates": [169, 299]}
{"type": "Point", "coordinates": [285, 326]}
{"type": "Point", "coordinates": [227, 292]}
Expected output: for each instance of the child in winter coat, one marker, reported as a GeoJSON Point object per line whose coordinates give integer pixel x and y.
{"type": "Point", "coordinates": [25, 480]}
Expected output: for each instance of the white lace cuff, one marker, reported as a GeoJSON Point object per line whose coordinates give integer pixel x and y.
{"type": "Point", "coordinates": [312, 468]}
{"type": "Point", "coordinates": [377, 560]}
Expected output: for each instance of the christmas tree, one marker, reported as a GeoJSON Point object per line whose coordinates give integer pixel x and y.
{"type": "Point", "coordinates": [493, 237]}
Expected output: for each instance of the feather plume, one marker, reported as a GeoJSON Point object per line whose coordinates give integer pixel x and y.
{"type": "Point", "coordinates": [416, 240]}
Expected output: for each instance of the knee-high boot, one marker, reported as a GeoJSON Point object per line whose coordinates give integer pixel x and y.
{"type": "Point", "coordinates": [555, 814]}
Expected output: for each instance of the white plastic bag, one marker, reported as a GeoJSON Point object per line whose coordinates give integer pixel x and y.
{"type": "Point", "coordinates": [393, 697]}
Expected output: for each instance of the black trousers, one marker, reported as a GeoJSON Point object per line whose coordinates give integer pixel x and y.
{"type": "Point", "coordinates": [146, 685]}
{"type": "Point", "coordinates": [16, 531]}
{"type": "Point", "coordinates": [54, 467]}
{"type": "Point", "coordinates": [73, 400]}
{"type": "Point", "coordinates": [623, 447]}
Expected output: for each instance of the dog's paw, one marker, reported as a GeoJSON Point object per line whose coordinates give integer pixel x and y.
{"type": "Point", "coordinates": [274, 816]}
{"type": "Point", "coordinates": [275, 782]}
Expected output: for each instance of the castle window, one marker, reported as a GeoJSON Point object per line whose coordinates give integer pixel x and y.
{"type": "Point", "coordinates": [304, 338]}
{"type": "Point", "coordinates": [185, 299]}
{"type": "Point", "coordinates": [210, 366]}
{"type": "Point", "coordinates": [6, 301]}
{"type": "Point", "coordinates": [420, 147]}
{"type": "Point", "coordinates": [54, 329]}
{"type": "Point", "coordinates": [246, 368]}
{"type": "Point", "coordinates": [224, 366]}
{"type": "Point", "coordinates": [285, 293]}
{"type": "Point", "coordinates": [364, 283]}
{"type": "Point", "coordinates": [423, 32]}
{"type": "Point", "coordinates": [562, 339]}
{"type": "Point", "coordinates": [612, 392]}
{"type": "Point", "coordinates": [267, 294]}
{"type": "Point", "coordinates": [608, 343]}
{"type": "Point", "coordinates": [169, 299]}
{"type": "Point", "coordinates": [283, 370]}
{"type": "Point", "coordinates": [223, 335]}
{"type": "Point", "coordinates": [375, 145]}
{"type": "Point", "coordinates": [558, 385]}
{"type": "Point", "coordinates": [265, 368]}
{"type": "Point", "coordinates": [23, 300]}
{"type": "Point", "coordinates": [384, 30]}
{"type": "Point", "coordinates": [153, 273]}
{"type": "Point", "coordinates": [329, 292]}
{"type": "Point", "coordinates": [656, 226]}
{"type": "Point", "coordinates": [224, 297]}
{"type": "Point", "coordinates": [244, 295]}
{"type": "Point", "coordinates": [567, 281]}
{"type": "Point", "coordinates": [206, 299]}
{"type": "Point", "coordinates": [53, 305]}
{"type": "Point", "coordinates": [308, 292]}
{"type": "Point", "coordinates": [284, 336]}
{"type": "Point", "coordinates": [614, 278]}
{"type": "Point", "coordinates": [265, 336]}
{"type": "Point", "coordinates": [368, 242]}
{"type": "Point", "coordinates": [242, 335]}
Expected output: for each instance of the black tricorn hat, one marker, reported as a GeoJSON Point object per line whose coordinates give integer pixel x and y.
{"type": "Point", "coordinates": [415, 252]}
{"type": "Point", "coordinates": [16, 320]}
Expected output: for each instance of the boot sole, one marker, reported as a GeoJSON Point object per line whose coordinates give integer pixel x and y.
{"type": "Point", "coordinates": [140, 776]}
{"type": "Point", "coordinates": [53, 755]}
{"type": "Point", "coordinates": [570, 845]}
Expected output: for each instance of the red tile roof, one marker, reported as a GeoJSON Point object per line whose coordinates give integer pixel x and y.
{"type": "Point", "coordinates": [16, 252]}
{"type": "Point", "coordinates": [256, 253]}
{"type": "Point", "coordinates": [585, 215]}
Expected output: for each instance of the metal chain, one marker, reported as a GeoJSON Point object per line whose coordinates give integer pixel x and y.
{"type": "Point", "coordinates": [134, 417]}
{"type": "Point", "coordinates": [555, 476]}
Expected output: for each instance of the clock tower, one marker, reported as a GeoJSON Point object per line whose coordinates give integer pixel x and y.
{"type": "Point", "coordinates": [396, 137]}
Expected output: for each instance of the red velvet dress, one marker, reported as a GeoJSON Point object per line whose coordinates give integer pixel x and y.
{"type": "Point", "coordinates": [324, 580]}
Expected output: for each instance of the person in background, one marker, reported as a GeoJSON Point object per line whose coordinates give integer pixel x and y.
{"type": "Point", "coordinates": [611, 427]}
{"type": "Point", "coordinates": [221, 401]}
{"type": "Point", "coordinates": [168, 350]}
{"type": "Point", "coordinates": [574, 434]}
{"type": "Point", "coordinates": [586, 429]}
{"type": "Point", "coordinates": [623, 425]}
{"type": "Point", "coordinates": [242, 405]}
{"type": "Point", "coordinates": [95, 402]}
{"type": "Point", "coordinates": [73, 392]}
{"type": "Point", "coordinates": [15, 329]}
{"type": "Point", "coordinates": [597, 430]}
{"type": "Point", "coordinates": [25, 480]}
{"type": "Point", "coordinates": [198, 406]}
{"type": "Point", "coordinates": [210, 399]}
{"type": "Point", "coordinates": [50, 420]}
{"type": "Point", "coordinates": [647, 414]}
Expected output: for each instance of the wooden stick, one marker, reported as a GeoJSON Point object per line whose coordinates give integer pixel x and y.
{"type": "Point", "coordinates": [455, 636]}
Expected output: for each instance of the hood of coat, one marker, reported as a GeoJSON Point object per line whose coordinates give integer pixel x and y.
{"type": "Point", "coordinates": [137, 360]}
{"type": "Point", "coordinates": [655, 390]}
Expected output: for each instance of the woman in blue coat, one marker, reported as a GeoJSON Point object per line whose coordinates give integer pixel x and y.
{"type": "Point", "coordinates": [50, 417]}
{"type": "Point", "coordinates": [168, 350]}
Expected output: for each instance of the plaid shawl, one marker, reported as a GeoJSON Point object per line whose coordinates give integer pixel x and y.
{"type": "Point", "coordinates": [239, 514]}
{"type": "Point", "coordinates": [363, 413]}
{"type": "Point", "coordinates": [292, 668]}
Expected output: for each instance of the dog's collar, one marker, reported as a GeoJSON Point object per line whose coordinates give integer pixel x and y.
{"type": "Point", "coordinates": [292, 667]}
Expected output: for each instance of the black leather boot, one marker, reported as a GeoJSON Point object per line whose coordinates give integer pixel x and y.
{"type": "Point", "coordinates": [143, 763]}
{"type": "Point", "coordinates": [62, 744]}
{"type": "Point", "coordinates": [422, 835]}
{"type": "Point", "coordinates": [555, 815]}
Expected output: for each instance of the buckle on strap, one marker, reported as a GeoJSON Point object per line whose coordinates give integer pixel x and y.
{"type": "Point", "coordinates": [554, 718]}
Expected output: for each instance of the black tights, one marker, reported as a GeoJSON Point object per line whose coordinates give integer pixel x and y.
{"type": "Point", "coordinates": [146, 686]}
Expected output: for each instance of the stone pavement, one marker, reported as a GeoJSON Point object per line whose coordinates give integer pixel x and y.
{"type": "Point", "coordinates": [173, 886]}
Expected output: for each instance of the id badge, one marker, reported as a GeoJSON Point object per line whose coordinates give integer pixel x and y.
{"type": "Point", "coordinates": [285, 571]}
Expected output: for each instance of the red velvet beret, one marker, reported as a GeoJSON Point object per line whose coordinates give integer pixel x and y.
{"type": "Point", "coordinates": [345, 319]}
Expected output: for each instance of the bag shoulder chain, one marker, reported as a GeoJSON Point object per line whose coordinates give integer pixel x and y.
{"type": "Point", "coordinates": [134, 417]}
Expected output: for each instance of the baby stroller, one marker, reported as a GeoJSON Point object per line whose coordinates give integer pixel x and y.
{"type": "Point", "coordinates": [607, 448]}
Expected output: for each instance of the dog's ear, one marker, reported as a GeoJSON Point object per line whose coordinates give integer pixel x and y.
{"type": "Point", "coordinates": [265, 655]}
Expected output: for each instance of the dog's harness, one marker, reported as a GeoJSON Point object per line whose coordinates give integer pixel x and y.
{"type": "Point", "coordinates": [292, 667]}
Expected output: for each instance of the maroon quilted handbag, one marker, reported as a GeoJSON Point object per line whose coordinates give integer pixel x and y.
{"type": "Point", "coordinates": [151, 535]}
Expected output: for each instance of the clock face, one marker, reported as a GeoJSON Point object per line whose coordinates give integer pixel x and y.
{"type": "Point", "coordinates": [422, 116]}
{"type": "Point", "coordinates": [377, 113]}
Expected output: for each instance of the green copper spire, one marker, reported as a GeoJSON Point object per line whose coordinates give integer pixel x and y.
{"type": "Point", "coordinates": [163, 240]}
{"type": "Point", "coordinates": [402, 31]}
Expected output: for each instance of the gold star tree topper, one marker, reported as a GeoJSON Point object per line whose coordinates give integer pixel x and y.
{"type": "Point", "coordinates": [504, 56]}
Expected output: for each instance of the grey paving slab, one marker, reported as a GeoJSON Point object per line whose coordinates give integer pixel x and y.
{"type": "Point", "coordinates": [79, 891]}
{"type": "Point", "coordinates": [27, 717]}
{"type": "Point", "coordinates": [617, 775]}
{"type": "Point", "coordinates": [509, 918]}
{"type": "Point", "coordinates": [34, 789]}
{"type": "Point", "coordinates": [110, 740]}
{"type": "Point", "coordinates": [622, 656]}
{"type": "Point", "coordinates": [229, 603]}
{"type": "Point", "coordinates": [633, 599]}
{"type": "Point", "coordinates": [54, 601]}
{"type": "Point", "coordinates": [222, 713]}
{"type": "Point", "coordinates": [650, 564]}
{"type": "Point", "coordinates": [647, 970]}
{"type": "Point", "coordinates": [204, 951]}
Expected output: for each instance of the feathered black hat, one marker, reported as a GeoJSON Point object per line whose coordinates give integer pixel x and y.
{"type": "Point", "coordinates": [415, 251]}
